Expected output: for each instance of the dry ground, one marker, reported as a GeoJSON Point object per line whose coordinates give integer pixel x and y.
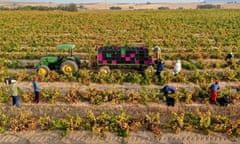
{"type": "Point", "coordinates": [85, 137]}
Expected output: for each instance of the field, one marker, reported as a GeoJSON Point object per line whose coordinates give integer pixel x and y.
{"type": "Point", "coordinates": [200, 38]}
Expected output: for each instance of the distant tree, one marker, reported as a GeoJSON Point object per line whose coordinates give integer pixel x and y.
{"type": "Point", "coordinates": [70, 7]}
{"type": "Point", "coordinates": [25, 8]}
{"type": "Point", "coordinates": [209, 6]}
{"type": "Point", "coordinates": [81, 7]}
{"type": "Point", "coordinates": [131, 7]}
{"type": "Point", "coordinates": [4, 8]}
{"type": "Point", "coordinates": [180, 8]}
{"type": "Point", "coordinates": [115, 8]}
{"type": "Point", "coordinates": [163, 8]}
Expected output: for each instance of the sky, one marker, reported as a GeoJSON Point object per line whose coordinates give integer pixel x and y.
{"type": "Point", "coordinates": [115, 1]}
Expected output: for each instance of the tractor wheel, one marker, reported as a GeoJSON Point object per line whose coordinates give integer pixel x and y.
{"type": "Point", "coordinates": [104, 70]}
{"type": "Point", "coordinates": [69, 67]}
{"type": "Point", "coordinates": [149, 70]}
{"type": "Point", "coordinates": [43, 70]}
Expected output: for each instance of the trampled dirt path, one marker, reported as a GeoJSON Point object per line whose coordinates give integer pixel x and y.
{"type": "Point", "coordinates": [86, 137]}
{"type": "Point", "coordinates": [26, 85]}
{"type": "Point", "coordinates": [28, 65]}
{"type": "Point", "coordinates": [32, 61]}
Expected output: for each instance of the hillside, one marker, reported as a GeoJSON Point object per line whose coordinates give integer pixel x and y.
{"type": "Point", "coordinates": [223, 1]}
{"type": "Point", "coordinates": [104, 6]}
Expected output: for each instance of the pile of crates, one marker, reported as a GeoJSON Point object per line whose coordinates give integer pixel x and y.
{"type": "Point", "coordinates": [113, 55]}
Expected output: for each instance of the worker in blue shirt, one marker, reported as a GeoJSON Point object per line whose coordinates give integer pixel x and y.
{"type": "Point", "coordinates": [160, 66]}
{"type": "Point", "coordinates": [214, 88]}
{"type": "Point", "coordinates": [36, 90]}
{"type": "Point", "coordinates": [168, 88]}
{"type": "Point", "coordinates": [170, 100]}
{"type": "Point", "coordinates": [229, 56]}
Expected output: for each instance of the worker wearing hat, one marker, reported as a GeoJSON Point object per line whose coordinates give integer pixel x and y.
{"type": "Point", "coordinates": [14, 92]}
{"type": "Point", "coordinates": [160, 66]}
{"type": "Point", "coordinates": [157, 52]}
{"type": "Point", "coordinates": [177, 67]}
{"type": "Point", "coordinates": [214, 88]}
{"type": "Point", "coordinates": [229, 56]}
{"type": "Point", "coordinates": [166, 89]}
{"type": "Point", "coordinates": [36, 90]}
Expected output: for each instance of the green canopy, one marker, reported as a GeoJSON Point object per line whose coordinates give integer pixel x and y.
{"type": "Point", "coordinates": [66, 46]}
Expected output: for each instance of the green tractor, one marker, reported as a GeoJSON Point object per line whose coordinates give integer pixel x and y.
{"type": "Point", "coordinates": [64, 64]}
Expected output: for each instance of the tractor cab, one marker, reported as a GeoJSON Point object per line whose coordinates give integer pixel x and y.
{"type": "Point", "coordinates": [67, 47]}
{"type": "Point", "coordinates": [66, 64]}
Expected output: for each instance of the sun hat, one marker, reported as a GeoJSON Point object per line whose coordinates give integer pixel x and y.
{"type": "Point", "coordinates": [35, 78]}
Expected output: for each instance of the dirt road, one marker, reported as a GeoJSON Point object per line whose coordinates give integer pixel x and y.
{"type": "Point", "coordinates": [27, 85]}
{"type": "Point", "coordinates": [86, 137]}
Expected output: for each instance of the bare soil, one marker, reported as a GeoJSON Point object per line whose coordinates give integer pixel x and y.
{"type": "Point", "coordinates": [26, 85]}
{"type": "Point", "coordinates": [86, 137]}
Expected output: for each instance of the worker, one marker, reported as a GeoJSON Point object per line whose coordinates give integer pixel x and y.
{"type": "Point", "coordinates": [160, 66]}
{"type": "Point", "coordinates": [177, 68]}
{"type": "Point", "coordinates": [14, 92]}
{"type": "Point", "coordinates": [214, 88]}
{"type": "Point", "coordinates": [157, 52]}
{"type": "Point", "coordinates": [229, 56]}
{"type": "Point", "coordinates": [36, 90]}
{"type": "Point", "coordinates": [166, 89]}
